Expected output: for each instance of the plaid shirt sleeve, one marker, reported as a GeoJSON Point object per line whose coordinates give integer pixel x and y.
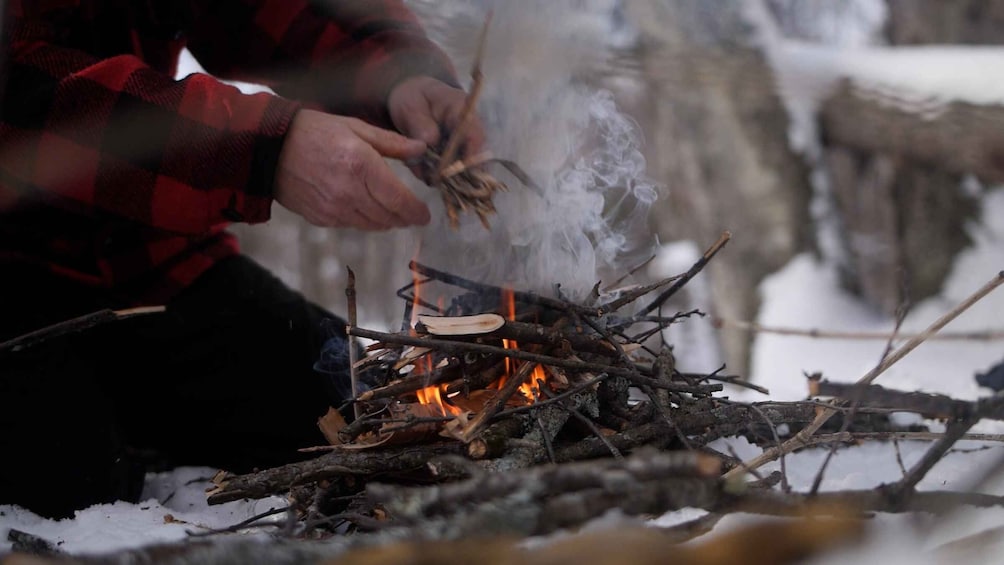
{"type": "Point", "coordinates": [345, 56]}
{"type": "Point", "coordinates": [117, 136]}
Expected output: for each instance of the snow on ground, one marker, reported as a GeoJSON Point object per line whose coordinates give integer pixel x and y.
{"type": "Point", "coordinates": [806, 294]}
{"type": "Point", "coordinates": [173, 505]}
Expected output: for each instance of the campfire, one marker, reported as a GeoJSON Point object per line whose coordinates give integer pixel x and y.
{"type": "Point", "coordinates": [511, 379]}
{"type": "Point", "coordinates": [513, 375]}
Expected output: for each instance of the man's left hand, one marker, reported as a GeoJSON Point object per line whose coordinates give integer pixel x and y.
{"type": "Point", "coordinates": [429, 110]}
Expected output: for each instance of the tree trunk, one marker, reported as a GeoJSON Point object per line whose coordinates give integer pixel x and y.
{"type": "Point", "coordinates": [717, 134]}
{"type": "Point", "coordinates": [913, 22]}
{"type": "Point", "coordinates": [896, 177]}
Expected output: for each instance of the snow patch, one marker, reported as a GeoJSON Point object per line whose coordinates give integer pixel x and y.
{"type": "Point", "coordinates": [174, 504]}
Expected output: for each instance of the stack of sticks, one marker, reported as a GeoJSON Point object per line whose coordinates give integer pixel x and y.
{"type": "Point", "coordinates": [622, 427]}
{"type": "Point", "coordinates": [505, 384]}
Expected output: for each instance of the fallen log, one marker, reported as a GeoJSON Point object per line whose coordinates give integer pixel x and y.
{"type": "Point", "coordinates": [957, 137]}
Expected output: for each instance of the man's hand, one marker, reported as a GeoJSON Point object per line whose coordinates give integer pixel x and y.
{"type": "Point", "coordinates": [331, 171]}
{"type": "Point", "coordinates": [427, 109]}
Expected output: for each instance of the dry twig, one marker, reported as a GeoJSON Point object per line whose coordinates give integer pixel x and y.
{"type": "Point", "coordinates": [74, 325]}
{"type": "Point", "coordinates": [816, 333]}
{"type": "Point", "coordinates": [801, 438]}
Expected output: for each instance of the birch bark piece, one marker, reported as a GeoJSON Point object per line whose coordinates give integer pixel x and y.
{"type": "Point", "coordinates": [461, 325]}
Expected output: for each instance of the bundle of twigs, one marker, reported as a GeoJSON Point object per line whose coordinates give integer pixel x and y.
{"type": "Point", "coordinates": [464, 187]}
{"type": "Point", "coordinates": [463, 182]}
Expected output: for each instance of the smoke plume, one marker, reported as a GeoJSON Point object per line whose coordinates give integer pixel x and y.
{"type": "Point", "coordinates": [542, 109]}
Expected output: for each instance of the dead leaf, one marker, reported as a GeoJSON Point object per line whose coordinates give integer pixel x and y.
{"type": "Point", "coordinates": [330, 424]}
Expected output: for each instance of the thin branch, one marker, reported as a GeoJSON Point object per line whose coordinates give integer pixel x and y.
{"type": "Point", "coordinates": [251, 522]}
{"type": "Point", "coordinates": [933, 455]}
{"type": "Point", "coordinates": [548, 446]}
{"type": "Point", "coordinates": [459, 133]}
{"type": "Point", "coordinates": [753, 327]}
{"type": "Point", "coordinates": [661, 323]}
{"type": "Point", "coordinates": [578, 415]}
{"type": "Point", "coordinates": [637, 293]}
{"type": "Point", "coordinates": [350, 295]}
{"type": "Point", "coordinates": [900, 317]}
{"type": "Point", "coordinates": [492, 409]}
{"type": "Point", "coordinates": [855, 437]}
{"type": "Point", "coordinates": [800, 439]}
{"type": "Point", "coordinates": [899, 456]}
{"type": "Point", "coordinates": [75, 325]}
{"type": "Point", "coordinates": [785, 487]}
{"type": "Point", "coordinates": [632, 271]}
{"type": "Point", "coordinates": [691, 273]}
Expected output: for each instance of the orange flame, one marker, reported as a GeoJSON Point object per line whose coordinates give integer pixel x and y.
{"type": "Point", "coordinates": [416, 285]}
{"type": "Point", "coordinates": [509, 303]}
{"type": "Point", "coordinates": [416, 294]}
{"type": "Point", "coordinates": [530, 390]}
{"type": "Point", "coordinates": [433, 396]}
{"type": "Point", "coordinates": [509, 300]}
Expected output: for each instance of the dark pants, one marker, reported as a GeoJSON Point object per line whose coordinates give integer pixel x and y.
{"type": "Point", "coordinates": [225, 378]}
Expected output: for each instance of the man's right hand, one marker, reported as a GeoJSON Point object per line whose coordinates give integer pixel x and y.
{"type": "Point", "coordinates": [331, 171]}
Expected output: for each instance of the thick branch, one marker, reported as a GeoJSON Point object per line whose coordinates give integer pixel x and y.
{"type": "Point", "coordinates": [929, 405]}
{"type": "Point", "coordinates": [341, 462]}
{"type": "Point", "coordinates": [540, 482]}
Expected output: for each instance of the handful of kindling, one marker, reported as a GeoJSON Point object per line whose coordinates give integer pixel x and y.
{"type": "Point", "coordinates": [463, 182]}
{"type": "Point", "coordinates": [465, 186]}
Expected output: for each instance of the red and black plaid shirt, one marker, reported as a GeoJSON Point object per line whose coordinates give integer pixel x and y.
{"type": "Point", "coordinates": [115, 174]}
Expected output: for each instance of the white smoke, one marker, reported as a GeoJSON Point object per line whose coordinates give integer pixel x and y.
{"type": "Point", "coordinates": [543, 111]}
